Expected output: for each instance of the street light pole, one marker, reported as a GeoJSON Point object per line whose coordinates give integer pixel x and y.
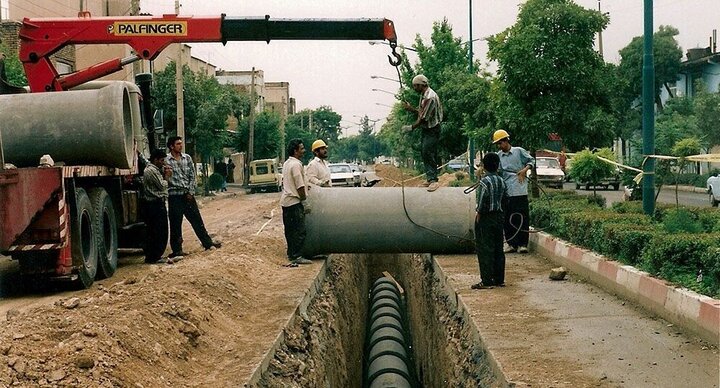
{"type": "Point", "coordinates": [381, 77]}
{"type": "Point", "coordinates": [382, 90]}
{"type": "Point", "coordinates": [648, 113]}
{"type": "Point", "coordinates": [471, 140]}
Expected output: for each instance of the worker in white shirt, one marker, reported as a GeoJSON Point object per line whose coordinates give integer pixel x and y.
{"type": "Point", "coordinates": [317, 172]}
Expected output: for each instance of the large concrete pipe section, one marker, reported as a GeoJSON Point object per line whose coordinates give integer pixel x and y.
{"type": "Point", "coordinates": [85, 127]}
{"type": "Point", "coordinates": [374, 220]}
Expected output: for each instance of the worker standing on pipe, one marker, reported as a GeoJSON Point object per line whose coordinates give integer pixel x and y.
{"type": "Point", "coordinates": [291, 200]}
{"type": "Point", "coordinates": [155, 193]}
{"type": "Point", "coordinates": [318, 171]}
{"type": "Point", "coordinates": [489, 220]}
{"type": "Point", "coordinates": [181, 199]}
{"type": "Point", "coordinates": [429, 116]}
{"type": "Point", "coordinates": [514, 165]}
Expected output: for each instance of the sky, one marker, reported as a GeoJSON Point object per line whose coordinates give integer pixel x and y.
{"type": "Point", "coordinates": [338, 73]}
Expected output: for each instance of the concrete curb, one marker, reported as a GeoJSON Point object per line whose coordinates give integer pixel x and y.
{"type": "Point", "coordinates": [462, 310]}
{"type": "Point", "coordinates": [688, 309]}
{"type": "Point", "coordinates": [300, 312]}
{"type": "Point", "coordinates": [690, 189]}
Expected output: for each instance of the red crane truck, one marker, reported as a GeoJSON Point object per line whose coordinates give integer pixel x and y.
{"type": "Point", "coordinates": [66, 222]}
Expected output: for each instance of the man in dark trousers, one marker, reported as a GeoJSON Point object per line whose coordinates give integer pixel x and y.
{"type": "Point", "coordinates": [154, 195]}
{"type": "Point", "coordinates": [515, 162]}
{"type": "Point", "coordinates": [293, 194]}
{"type": "Point", "coordinates": [181, 199]}
{"type": "Point", "coordinates": [429, 116]}
{"type": "Point", "coordinates": [489, 221]}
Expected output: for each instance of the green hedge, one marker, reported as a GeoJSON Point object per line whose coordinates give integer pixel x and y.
{"type": "Point", "coordinates": [626, 234]}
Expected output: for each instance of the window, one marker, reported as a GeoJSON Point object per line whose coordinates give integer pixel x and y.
{"type": "Point", "coordinates": [4, 9]}
{"type": "Point", "coordinates": [261, 169]}
{"type": "Point", "coordinates": [63, 68]}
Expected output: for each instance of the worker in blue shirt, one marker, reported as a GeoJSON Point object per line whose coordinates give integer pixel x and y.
{"type": "Point", "coordinates": [514, 165]}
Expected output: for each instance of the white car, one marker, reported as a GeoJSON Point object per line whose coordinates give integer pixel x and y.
{"type": "Point", "coordinates": [713, 189]}
{"type": "Point", "coordinates": [341, 174]}
{"type": "Point", "coordinates": [549, 172]}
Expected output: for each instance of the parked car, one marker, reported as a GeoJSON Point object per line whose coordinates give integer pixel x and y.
{"type": "Point", "coordinates": [549, 172]}
{"type": "Point", "coordinates": [713, 189]}
{"type": "Point", "coordinates": [458, 164]}
{"type": "Point", "coordinates": [265, 175]}
{"type": "Point", "coordinates": [341, 174]}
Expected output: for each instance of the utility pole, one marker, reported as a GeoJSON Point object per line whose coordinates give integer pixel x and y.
{"type": "Point", "coordinates": [600, 42]}
{"type": "Point", "coordinates": [251, 140]}
{"type": "Point", "coordinates": [180, 100]}
{"type": "Point", "coordinates": [134, 11]}
{"type": "Point", "coordinates": [471, 146]}
{"type": "Point", "coordinates": [648, 98]}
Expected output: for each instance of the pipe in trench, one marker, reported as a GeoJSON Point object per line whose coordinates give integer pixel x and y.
{"type": "Point", "coordinates": [84, 127]}
{"type": "Point", "coordinates": [373, 220]}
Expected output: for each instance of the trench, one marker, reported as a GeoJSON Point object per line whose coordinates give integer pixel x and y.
{"type": "Point", "coordinates": [324, 345]}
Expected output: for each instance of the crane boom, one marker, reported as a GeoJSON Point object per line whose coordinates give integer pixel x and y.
{"type": "Point", "coordinates": [149, 35]}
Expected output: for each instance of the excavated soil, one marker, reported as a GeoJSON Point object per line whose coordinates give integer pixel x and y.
{"type": "Point", "coordinates": [395, 177]}
{"type": "Point", "coordinates": [205, 321]}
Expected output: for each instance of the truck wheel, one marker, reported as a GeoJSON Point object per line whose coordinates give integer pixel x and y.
{"type": "Point", "coordinates": [616, 186]}
{"type": "Point", "coordinates": [107, 234]}
{"type": "Point", "coordinates": [577, 186]}
{"type": "Point", "coordinates": [82, 237]}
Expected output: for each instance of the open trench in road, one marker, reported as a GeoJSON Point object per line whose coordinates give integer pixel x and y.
{"type": "Point", "coordinates": [325, 343]}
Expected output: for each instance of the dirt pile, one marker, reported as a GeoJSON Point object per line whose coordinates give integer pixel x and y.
{"type": "Point", "coordinates": [395, 177]}
{"type": "Point", "coordinates": [205, 321]}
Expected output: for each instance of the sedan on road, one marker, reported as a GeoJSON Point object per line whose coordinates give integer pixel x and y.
{"type": "Point", "coordinates": [341, 174]}
{"type": "Point", "coordinates": [549, 172]}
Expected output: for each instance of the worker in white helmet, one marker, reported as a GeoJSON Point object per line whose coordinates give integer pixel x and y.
{"type": "Point", "coordinates": [317, 171]}
{"type": "Point", "coordinates": [429, 116]}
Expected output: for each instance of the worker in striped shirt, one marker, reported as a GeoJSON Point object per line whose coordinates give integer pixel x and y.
{"type": "Point", "coordinates": [489, 221]}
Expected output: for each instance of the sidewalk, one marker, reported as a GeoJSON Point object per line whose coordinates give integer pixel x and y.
{"type": "Point", "coordinates": [690, 189]}
{"type": "Point", "coordinates": [571, 334]}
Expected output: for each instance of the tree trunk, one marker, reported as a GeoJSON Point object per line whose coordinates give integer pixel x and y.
{"type": "Point", "coordinates": [535, 190]}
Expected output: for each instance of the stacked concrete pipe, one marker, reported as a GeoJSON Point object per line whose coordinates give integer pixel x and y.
{"type": "Point", "coordinates": [388, 363]}
{"type": "Point", "coordinates": [84, 127]}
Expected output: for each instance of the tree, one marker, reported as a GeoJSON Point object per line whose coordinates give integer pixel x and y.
{"type": "Point", "coordinates": [267, 141]}
{"type": "Point", "coordinates": [13, 67]}
{"type": "Point", "coordinates": [588, 168]}
{"type": "Point", "coordinates": [667, 56]}
{"type": "Point", "coordinates": [550, 80]}
{"type": "Point", "coordinates": [682, 149]}
{"type": "Point", "coordinates": [707, 114]}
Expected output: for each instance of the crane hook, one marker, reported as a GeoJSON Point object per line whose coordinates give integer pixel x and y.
{"type": "Point", "coordinates": [398, 58]}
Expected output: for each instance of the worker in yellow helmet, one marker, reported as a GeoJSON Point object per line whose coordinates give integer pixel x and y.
{"type": "Point", "coordinates": [317, 171]}
{"type": "Point", "coordinates": [514, 165]}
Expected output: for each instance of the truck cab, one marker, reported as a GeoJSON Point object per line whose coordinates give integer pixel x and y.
{"type": "Point", "coordinates": [265, 175]}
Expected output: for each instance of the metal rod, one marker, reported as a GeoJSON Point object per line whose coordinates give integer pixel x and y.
{"type": "Point", "coordinates": [2, 154]}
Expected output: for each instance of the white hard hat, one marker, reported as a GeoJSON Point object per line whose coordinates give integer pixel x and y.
{"type": "Point", "coordinates": [420, 80]}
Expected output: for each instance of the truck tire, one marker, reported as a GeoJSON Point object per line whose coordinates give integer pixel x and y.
{"type": "Point", "coordinates": [106, 237]}
{"type": "Point", "coordinates": [83, 240]}
{"type": "Point", "coordinates": [616, 186]}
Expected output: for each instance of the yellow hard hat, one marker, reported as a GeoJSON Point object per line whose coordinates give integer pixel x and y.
{"type": "Point", "coordinates": [318, 144]}
{"type": "Point", "coordinates": [499, 135]}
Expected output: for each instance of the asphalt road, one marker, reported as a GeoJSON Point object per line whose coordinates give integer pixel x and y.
{"type": "Point", "coordinates": [667, 195]}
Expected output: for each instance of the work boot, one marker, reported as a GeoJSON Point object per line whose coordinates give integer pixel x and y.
{"type": "Point", "coordinates": [426, 184]}
{"type": "Point", "coordinates": [522, 250]}
{"type": "Point", "coordinates": [509, 248]}
{"type": "Point", "coordinates": [177, 254]}
{"type": "Point", "coordinates": [433, 186]}
{"type": "Point", "coordinates": [302, 260]}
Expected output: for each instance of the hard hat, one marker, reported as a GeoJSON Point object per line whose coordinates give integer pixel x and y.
{"type": "Point", "coordinates": [420, 80]}
{"type": "Point", "coordinates": [499, 135]}
{"type": "Point", "coordinates": [318, 144]}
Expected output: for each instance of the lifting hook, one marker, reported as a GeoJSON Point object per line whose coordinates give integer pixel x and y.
{"type": "Point", "coordinates": [398, 58]}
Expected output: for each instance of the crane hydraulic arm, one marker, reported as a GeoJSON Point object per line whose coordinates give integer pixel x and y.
{"type": "Point", "coordinates": [149, 35]}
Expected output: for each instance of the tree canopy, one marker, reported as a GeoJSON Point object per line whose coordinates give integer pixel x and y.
{"type": "Point", "coordinates": [550, 79]}
{"type": "Point", "coordinates": [667, 57]}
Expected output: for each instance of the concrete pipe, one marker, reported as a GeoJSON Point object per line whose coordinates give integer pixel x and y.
{"type": "Point", "coordinates": [86, 127]}
{"type": "Point", "coordinates": [373, 220]}
{"type": "Point", "coordinates": [385, 294]}
{"type": "Point", "coordinates": [385, 322]}
{"type": "Point", "coordinates": [385, 311]}
{"type": "Point", "coordinates": [385, 365]}
{"type": "Point", "coordinates": [386, 333]}
{"type": "Point", "coordinates": [384, 287]}
{"type": "Point", "coordinates": [387, 347]}
{"type": "Point", "coordinates": [390, 380]}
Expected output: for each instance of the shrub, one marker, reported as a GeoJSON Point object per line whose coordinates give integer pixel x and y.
{"type": "Point", "coordinates": [625, 241]}
{"type": "Point", "coordinates": [215, 182]}
{"type": "Point", "coordinates": [681, 220]}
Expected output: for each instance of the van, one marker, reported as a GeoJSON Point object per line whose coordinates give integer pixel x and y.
{"type": "Point", "coordinates": [265, 175]}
